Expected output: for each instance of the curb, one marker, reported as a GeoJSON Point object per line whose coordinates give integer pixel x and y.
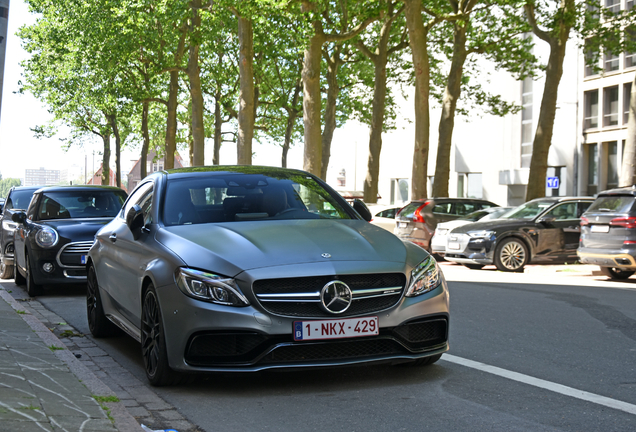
{"type": "Point", "coordinates": [124, 421]}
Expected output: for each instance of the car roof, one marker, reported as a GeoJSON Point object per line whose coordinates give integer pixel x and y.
{"type": "Point", "coordinates": [230, 169]}
{"type": "Point", "coordinates": [75, 188]}
{"type": "Point", "coordinates": [565, 198]}
{"type": "Point", "coordinates": [630, 190]}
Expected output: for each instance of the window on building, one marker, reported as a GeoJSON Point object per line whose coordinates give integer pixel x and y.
{"type": "Point", "coordinates": [591, 109]}
{"type": "Point", "coordinates": [613, 6]}
{"type": "Point", "coordinates": [627, 94]}
{"type": "Point", "coordinates": [612, 165]}
{"type": "Point", "coordinates": [526, 122]}
{"type": "Point", "coordinates": [591, 57]}
{"type": "Point", "coordinates": [592, 169]}
{"type": "Point", "coordinates": [469, 185]}
{"type": "Point", "coordinates": [630, 57]}
{"type": "Point", "coordinates": [610, 106]}
{"type": "Point", "coordinates": [611, 62]}
{"type": "Point", "coordinates": [629, 4]}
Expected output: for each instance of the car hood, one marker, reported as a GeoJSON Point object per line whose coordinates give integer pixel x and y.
{"type": "Point", "coordinates": [77, 229]}
{"type": "Point", "coordinates": [452, 224]}
{"type": "Point", "coordinates": [249, 245]}
{"type": "Point", "coordinates": [495, 225]}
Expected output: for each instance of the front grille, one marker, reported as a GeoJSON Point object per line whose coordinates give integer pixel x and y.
{"type": "Point", "coordinates": [325, 351]}
{"type": "Point", "coordinates": [300, 297]}
{"type": "Point", "coordinates": [70, 255]}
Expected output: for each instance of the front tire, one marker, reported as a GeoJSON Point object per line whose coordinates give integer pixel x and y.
{"type": "Point", "coordinates": [6, 271]}
{"type": "Point", "coordinates": [616, 273]}
{"type": "Point", "coordinates": [153, 342]}
{"type": "Point", "coordinates": [98, 324]}
{"type": "Point", "coordinates": [32, 288]}
{"type": "Point", "coordinates": [511, 255]}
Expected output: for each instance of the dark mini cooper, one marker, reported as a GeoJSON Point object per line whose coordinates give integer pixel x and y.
{"type": "Point", "coordinates": [544, 230]}
{"type": "Point", "coordinates": [54, 235]}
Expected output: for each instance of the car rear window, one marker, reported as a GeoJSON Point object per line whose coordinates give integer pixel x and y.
{"type": "Point", "coordinates": [612, 204]}
{"type": "Point", "coordinates": [408, 211]}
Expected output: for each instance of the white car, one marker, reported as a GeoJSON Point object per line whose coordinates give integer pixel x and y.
{"type": "Point", "coordinates": [383, 215]}
{"type": "Point", "coordinates": [438, 242]}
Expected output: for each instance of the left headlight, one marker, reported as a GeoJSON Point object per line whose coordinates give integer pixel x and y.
{"type": "Point", "coordinates": [424, 277]}
{"type": "Point", "coordinates": [210, 287]}
{"type": "Point", "coordinates": [46, 237]}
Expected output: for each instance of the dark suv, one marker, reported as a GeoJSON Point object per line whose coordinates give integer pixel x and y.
{"type": "Point", "coordinates": [608, 233]}
{"type": "Point", "coordinates": [417, 220]}
{"type": "Point", "coordinates": [18, 198]}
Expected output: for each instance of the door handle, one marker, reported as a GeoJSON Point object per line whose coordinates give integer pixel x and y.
{"type": "Point", "coordinates": [113, 237]}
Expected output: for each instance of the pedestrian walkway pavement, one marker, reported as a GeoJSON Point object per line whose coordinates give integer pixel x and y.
{"type": "Point", "coordinates": [43, 387]}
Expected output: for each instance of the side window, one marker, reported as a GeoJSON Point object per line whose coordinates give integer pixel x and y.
{"type": "Point", "coordinates": [463, 209]}
{"type": "Point", "coordinates": [485, 206]}
{"type": "Point", "coordinates": [444, 208]}
{"type": "Point", "coordinates": [564, 211]}
{"type": "Point", "coordinates": [142, 196]}
{"type": "Point", "coordinates": [582, 207]}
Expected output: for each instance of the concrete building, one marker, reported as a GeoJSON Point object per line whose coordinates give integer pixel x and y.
{"type": "Point", "coordinates": [35, 177]}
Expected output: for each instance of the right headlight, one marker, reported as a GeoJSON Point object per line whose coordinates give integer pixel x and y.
{"type": "Point", "coordinates": [480, 233]}
{"type": "Point", "coordinates": [210, 287]}
{"type": "Point", "coordinates": [425, 277]}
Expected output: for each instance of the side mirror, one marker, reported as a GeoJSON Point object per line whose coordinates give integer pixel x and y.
{"type": "Point", "coordinates": [545, 220]}
{"type": "Point", "coordinates": [135, 221]}
{"type": "Point", "coordinates": [19, 217]}
{"type": "Point", "coordinates": [362, 210]}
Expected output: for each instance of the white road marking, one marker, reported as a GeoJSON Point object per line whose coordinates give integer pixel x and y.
{"type": "Point", "coordinates": [547, 385]}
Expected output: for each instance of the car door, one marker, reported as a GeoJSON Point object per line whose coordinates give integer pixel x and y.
{"type": "Point", "coordinates": [559, 231]}
{"type": "Point", "coordinates": [122, 259]}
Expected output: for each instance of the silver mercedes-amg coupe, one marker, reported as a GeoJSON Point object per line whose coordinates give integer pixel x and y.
{"type": "Point", "coordinates": [245, 268]}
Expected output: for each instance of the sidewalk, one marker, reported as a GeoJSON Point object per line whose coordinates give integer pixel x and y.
{"type": "Point", "coordinates": [43, 387]}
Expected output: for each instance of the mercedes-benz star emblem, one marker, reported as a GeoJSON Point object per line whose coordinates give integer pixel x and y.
{"type": "Point", "coordinates": [326, 255]}
{"type": "Point", "coordinates": [335, 297]}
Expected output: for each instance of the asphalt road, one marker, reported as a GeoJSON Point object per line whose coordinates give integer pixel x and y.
{"type": "Point", "coordinates": [529, 352]}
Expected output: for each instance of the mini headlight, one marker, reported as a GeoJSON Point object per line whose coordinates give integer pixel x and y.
{"type": "Point", "coordinates": [210, 287]}
{"type": "Point", "coordinates": [46, 237]}
{"type": "Point", "coordinates": [424, 277]}
{"type": "Point", "coordinates": [480, 233]}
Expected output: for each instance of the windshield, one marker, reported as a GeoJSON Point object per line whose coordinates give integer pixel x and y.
{"type": "Point", "coordinates": [237, 197]}
{"type": "Point", "coordinates": [80, 204]}
{"type": "Point", "coordinates": [528, 210]}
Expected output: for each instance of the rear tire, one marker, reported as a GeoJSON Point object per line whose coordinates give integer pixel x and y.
{"type": "Point", "coordinates": [6, 271]}
{"type": "Point", "coordinates": [474, 266]}
{"type": "Point", "coordinates": [32, 288]}
{"type": "Point", "coordinates": [98, 324]}
{"type": "Point", "coordinates": [511, 255]}
{"type": "Point", "coordinates": [616, 273]}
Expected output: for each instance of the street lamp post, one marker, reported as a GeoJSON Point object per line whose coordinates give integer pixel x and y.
{"type": "Point", "coordinates": [4, 24]}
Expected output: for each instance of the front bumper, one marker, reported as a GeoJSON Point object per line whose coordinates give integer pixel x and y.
{"type": "Point", "coordinates": [622, 259]}
{"type": "Point", "coordinates": [69, 264]}
{"type": "Point", "coordinates": [204, 337]}
{"type": "Point", "coordinates": [462, 248]}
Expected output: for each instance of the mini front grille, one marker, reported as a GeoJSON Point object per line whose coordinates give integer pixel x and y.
{"type": "Point", "coordinates": [70, 255]}
{"type": "Point", "coordinates": [300, 297]}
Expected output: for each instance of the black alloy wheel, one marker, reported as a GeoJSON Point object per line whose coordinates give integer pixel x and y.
{"type": "Point", "coordinates": [98, 324]}
{"type": "Point", "coordinates": [32, 288]}
{"type": "Point", "coordinates": [511, 255]}
{"type": "Point", "coordinates": [153, 343]}
{"type": "Point", "coordinates": [6, 271]}
{"type": "Point", "coordinates": [616, 273]}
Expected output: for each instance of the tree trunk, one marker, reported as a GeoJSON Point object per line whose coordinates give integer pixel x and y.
{"type": "Point", "coordinates": [106, 160]}
{"type": "Point", "coordinates": [196, 94]}
{"type": "Point", "coordinates": [628, 171]}
{"type": "Point", "coordinates": [311, 102]}
{"type": "Point", "coordinates": [218, 124]}
{"type": "Point", "coordinates": [247, 106]}
{"type": "Point", "coordinates": [113, 124]}
{"type": "Point", "coordinates": [545, 126]}
{"type": "Point", "coordinates": [171, 122]}
{"type": "Point", "coordinates": [418, 40]}
{"type": "Point", "coordinates": [330, 109]}
{"type": "Point", "coordinates": [146, 141]}
{"type": "Point", "coordinates": [447, 121]}
{"type": "Point", "coordinates": [292, 114]}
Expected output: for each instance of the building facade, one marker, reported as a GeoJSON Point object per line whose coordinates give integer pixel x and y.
{"type": "Point", "coordinates": [153, 163]}
{"type": "Point", "coordinates": [41, 176]}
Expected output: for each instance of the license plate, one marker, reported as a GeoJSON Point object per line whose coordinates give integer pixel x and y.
{"type": "Point", "coordinates": [599, 228]}
{"type": "Point", "coordinates": [83, 259]}
{"type": "Point", "coordinates": [336, 329]}
{"type": "Point", "coordinates": [452, 245]}
{"type": "Point", "coordinates": [402, 224]}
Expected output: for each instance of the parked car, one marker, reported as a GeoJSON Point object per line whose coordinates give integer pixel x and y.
{"type": "Point", "coordinates": [54, 235]}
{"type": "Point", "coordinates": [18, 198]}
{"type": "Point", "coordinates": [544, 230]}
{"type": "Point", "coordinates": [383, 216]}
{"type": "Point", "coordinates": [246, 268]}
{"type": "Point", "coordinates": [416, 222]}
{"type": "Point", "coordinates": [1, 204]}
{"type": "Point", "coordinates": [438, 242]}
{"type": "Point", "coordinates": [608, 233]}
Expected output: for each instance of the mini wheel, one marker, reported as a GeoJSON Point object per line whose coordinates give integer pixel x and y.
{"type": "Point", "coordinates": [32, 288]}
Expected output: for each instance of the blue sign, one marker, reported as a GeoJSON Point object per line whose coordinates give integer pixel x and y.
{"type": "Point", "coordinates": [553, 182]}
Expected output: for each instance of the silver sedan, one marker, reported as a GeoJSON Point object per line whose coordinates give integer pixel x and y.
{"type": "Point", "coordinates": [251, 268]}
